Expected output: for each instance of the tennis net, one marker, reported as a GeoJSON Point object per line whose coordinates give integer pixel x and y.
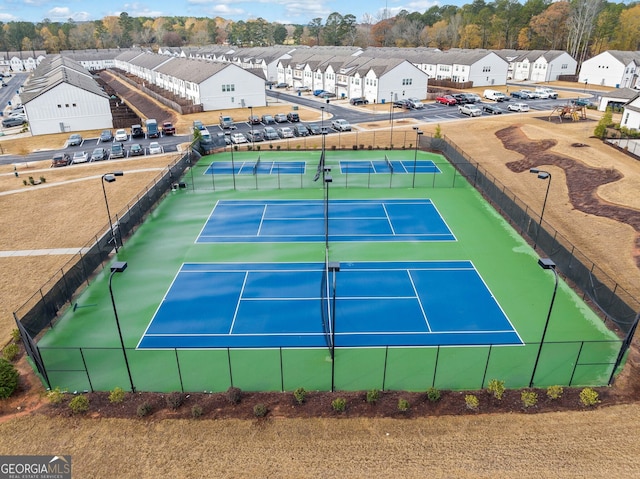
{"type": "Point", "coordinates": [256, 166]}
{"type": "Point", "coordinates": [325, 303]}
{"type": "Point", "coordinates": [386, 159]}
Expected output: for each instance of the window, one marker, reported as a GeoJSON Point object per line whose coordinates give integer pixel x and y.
{"type": "Point", "coordinates": [407, 81]}
{"type": "Point", "coordinates": [231, 87]}
{"type": "Point", "coordinates": [486, 69]}
{"type": "Point", "coordinates": [565, 66]}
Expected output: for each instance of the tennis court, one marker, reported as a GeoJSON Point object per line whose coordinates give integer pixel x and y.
{"type": "Point", "coordinates": [303, 283]}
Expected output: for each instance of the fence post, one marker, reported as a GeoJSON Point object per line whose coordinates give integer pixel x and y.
{"type": "Point", "coordinates": [86, 370]}
{"type": "Point", "coordinates": [435, 368]}
{"type": "Point", "coordinates": [281, 372]}
{"type": "Point", "coordinates": [229, 361]}
{"type": "Point", "coordinates": [576, 363]}
{"type": "Point", "coordinates": [179, 372]}
{"type": "Point", "coordinates": [486, 366]}
{"type": "Point", "coordinates": [384, 370]}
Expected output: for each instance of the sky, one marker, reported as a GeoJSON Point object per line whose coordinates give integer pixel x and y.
{"type": "Point", "coordinates": [283, 11]}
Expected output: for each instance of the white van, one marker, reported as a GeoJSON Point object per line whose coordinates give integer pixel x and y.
{"type": "Point", "coordinates": [495, 95]}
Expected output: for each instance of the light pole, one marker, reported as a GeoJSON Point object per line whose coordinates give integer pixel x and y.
{"type": "Point", "coordinates": [327, 180]}
{"type": "Point", "coordinates": [233, 167]}
{"type": "Point", "coordinates": [110, 178]}
{"type": "Point", "coordinates": [543, 175]}
{"type": "Point", "coordinates": [545, 263]}
{"type": "Point", "coordinates": [391, 120]}
{"type": "Point", "coordinates": [119, 267]}
{"type": "Point", "coordinates": [253, 143]}
{"type": "Point", "coordinates": [415, 155]}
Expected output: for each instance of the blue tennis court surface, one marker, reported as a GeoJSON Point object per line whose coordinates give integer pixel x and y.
{"type": "Point", "coordinates": [267, 305]}
{"type": "Point", "coordinates": [304, 220]}
{"type": "Point", "coordinates": [381, 166]}
{"type": "Point", "coordinates": [255, 167]}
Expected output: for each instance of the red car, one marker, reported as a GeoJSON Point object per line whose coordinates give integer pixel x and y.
{"type": "Point", "coordinates": [446, 100]}
{"type": "Point", "coordinates": [168, 128]}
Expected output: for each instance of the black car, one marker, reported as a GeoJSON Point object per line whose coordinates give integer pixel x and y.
{"type": "Point", "coordinates": [401, 104]}
{"type": "Point", "coordinates": [293, 117]}
{"type": "Point", "coordinates": [521, 95]}
{"type": "Point", "coordinates": [254, 120]}
{"type": "Point", "coordinates": [268, 119]}
{"type": "Point", "coordinates": [137, 131]}
{"type": "Point", "coordinates": [314, 129]}
{"type": "Point", "coordinates": [106, 135]}
{"type": "Point", "coordinates": [461, 98]}
{"type": "Point", "coordinates": [136, 150]}
{"type": "Point", "coordinates": [359, 101]}
{"type": "Point", "coordinates": [492, 109]}
{"type": "Point", "coordinates": [300, 130]}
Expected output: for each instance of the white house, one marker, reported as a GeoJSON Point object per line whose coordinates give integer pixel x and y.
{"type": "Point", "coordinates": [613, 68]}
{"type": "Point", "coordinates": [482, 67]}
{"type": "Point", "coordinates": [97, 59]}
{"type": "Point", "coordinates": [538, 65]}
{"type": "Point", "coordinates": [62, 96]}
{"type": "Point", "coordinates": [11, 61]}
{"type": "Point", "coordinates": [616, 98]}
{"type": "Point", "coordinates": [631, 114]}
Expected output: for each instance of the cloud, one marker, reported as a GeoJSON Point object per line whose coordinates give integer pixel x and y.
{"type": "Point", "coordinates": [64, 13]}
{"type": "Point", "coordinates": [7, 17]}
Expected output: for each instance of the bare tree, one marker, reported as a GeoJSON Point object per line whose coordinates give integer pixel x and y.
{"type": "Point", "coordinates": [582, 21]}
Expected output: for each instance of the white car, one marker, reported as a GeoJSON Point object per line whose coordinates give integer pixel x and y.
{"type": "Point", "coordinates": [470, 109]}
{"type": "Point", "coordinates": [341, 125]}
{"type": "Point", "coordinates": [518, 107]}
{"type": "Point", "coordinates": [121, 135]}
{"type": "Point", "coordinates": [80, 157]}
{"type": "Point", "coordinates": [237, 138]}
{"type": "Point", "coordinates": [155, 148]}
{"type": "Point", "coordinates": [285, 132]}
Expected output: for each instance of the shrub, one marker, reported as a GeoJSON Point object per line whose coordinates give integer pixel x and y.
{"type": "Point", "coordinates": [333, 147]}
{"type": "Point", "coordinates": [589, 397]}
{"type": "Point", "coordinates": [529, 398]}
{"type": "Point", "coordinates": [31, 180]}
{"type": "Point", "coordinates": [554, 392]}
{"type": "Point", "coordinates": [339, 404]}
{"type": "Point", "coordinates": [373, 396]}
{"type": "Point", "coordinates": [260, 410]}
{"type": "Point", "coordinates": [15, 335]}
{"type": "Point", "coordinates": [8, 378]}
{"type": "Point", "coordinates": [271, 146]}
{"type": "Point", "coordinates": [43, 179]}
{"type": "Point", "coordinates": [496, 388]}
{"type": "Point", "coordinates": [403, 405]}
{"type": "Point", "coordinates": [472, 402]}
{"type": "Point", "coordinates": [79, 404]}
{"type": "Point", "coordinates": [174, 400]}
{"type": "Point", "coordinates": [234, 395]}
{"type": "Point", "coordinates": [278, 147]}
{"type": "Point", "coordinates": [55, 396]}
{"type": "Point", "coordinates": [433, 394]}
{"type": "Point", "coordinates": [258, 147]}
{"type": "Point", "coordinates": [300, 394]}
{"type": "Point", "coordinates": [361, 146]}
{"type": "Point", "coordinates": [438, 132]}
{"type": "Point", "coordinates": [355, 147]}
{"type": "Point", "coordinates": [370, 147]}
{"type": "Point", "coordinates": [196, 411]}
{"type": "Point", "coordinates": [116, 395]}
{"type": "Point", "coordinates": [10, 351]}
{"type": "Point", "coordinates": [144, 409]}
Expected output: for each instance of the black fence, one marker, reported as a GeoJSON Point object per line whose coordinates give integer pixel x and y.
{"type": "Point", "coordinates": [618, 309]}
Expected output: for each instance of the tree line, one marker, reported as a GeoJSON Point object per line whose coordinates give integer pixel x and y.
{"type": "Point", "coordinates": [581, 27]}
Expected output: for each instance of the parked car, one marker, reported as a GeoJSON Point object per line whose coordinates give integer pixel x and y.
{"type": "Point", "coordinates": [60, 159]}
{"type": "Point", "coordinates": [446, 100]}
{"type": "Point", "coordinates": [106, 135]}
{"type": "Point", "coordinates": [254, 136]}
{"type": "Point", "coordinates": [80, 157]}
{"type": "Point", "coordinates": [197, 125]}
{"type": "Point", "coordinates": [314, 129]}
{"type": "Point", "coordinates": [518, 107]}
{"type": "Point", "coordinates": [282, 85]}
{"type": "Point", "coordinates": [581, 102]}
{"type": "Point", "coordinates": [293, 117]}
{"type": "Point", "coordinates": [254, 120]}
{"type": "Point", "coordinates": [532, 94]}
{"type": "Point", "coordinates": [359, 101]}
{"type": "Point", "coordinates": [300, 130]}
{"type": "Point", "coordinates": [155, 148]}
{"type": "Point", "coordinates": [491, 109]}
{"type": "Point", "coordinates": [136, 150]}
{"type": "Point", "coordinates": [318, 92]}
{"type": "Point", "coordinates": [285, 132]}
{"type": "Point", "coordinates": [472, 98]}
{"type": "Point", "coordinates": [117, 151]}
{"type": "Point", "coordinates": [341, 125]}
{"type": "Point", "coordinates": [547, 93]}
{"type": "Point", "coordinates": [226, 123]}
{"type": "Point", "coordinates": [238, 138]}
{"type": "Point", "coordinates": [13, 121]}
{"type": "Point", "coordinates": [121, 135]}
{"type": "Point", "coordinates": [137, 131]}
{"type": "Point", "coordinates": [461, 98]}
{"type": "Point", "coordinates": [495, 95]}
{"type": "Point", "coordinates": [303, 88]}
{"type": "Point", "coordinates": [470, 109]}
{"type": "Point", "coordinates": [280, 118]}
{"type": "Point", "coordinates": [327, 94]}
{"type": "Point", "coordinates": [99, 154]}
{"type": "Point", "coordinates": [74, 140]}
{"type": "Point", "coordinates": [268, 119]}
{"type": "Point", "coordinates": [415, 103]}
{"type": "Point", "coordinates": [270, 133]}
{"type": "Point", "coordinates": [520, 95]}
{"type": "Point", "coordinates": [167, 128]}
{"type": "Point", "coordinates": [401, 104]}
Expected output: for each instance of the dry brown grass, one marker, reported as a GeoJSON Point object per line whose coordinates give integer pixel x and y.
{"type": "Point", "coordinates": [563, 445]}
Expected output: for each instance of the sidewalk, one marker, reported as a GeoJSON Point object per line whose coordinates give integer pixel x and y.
{"type": "Point", "coordinates": [42, 252]}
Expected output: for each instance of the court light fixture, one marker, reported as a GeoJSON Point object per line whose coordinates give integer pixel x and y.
{"type": "Point", "coordinates": [545, 263]}
{"type": "Point", "coordinates": [543, 175]}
